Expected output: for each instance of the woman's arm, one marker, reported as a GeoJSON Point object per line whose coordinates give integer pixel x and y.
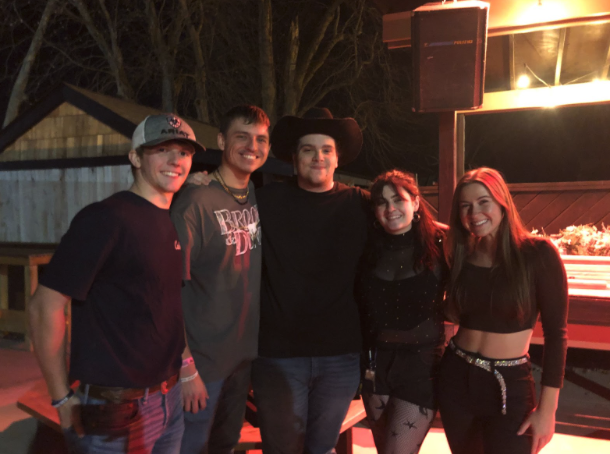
{"type": "Point", "coordinates": [552, 301]}
{"type": "Point", "coordinates": [542, 420]}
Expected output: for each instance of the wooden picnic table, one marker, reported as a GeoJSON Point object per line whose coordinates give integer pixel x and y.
{"type": "Point", "coordinates": [30, 258]}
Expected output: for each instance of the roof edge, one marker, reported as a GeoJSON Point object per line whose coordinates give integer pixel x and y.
{"type": "Point", "coordinates": [23, 122]}
{"type": "Point", "coordinates": [98, 111]}
{"type": "Point", "coordinates": [63, 93]}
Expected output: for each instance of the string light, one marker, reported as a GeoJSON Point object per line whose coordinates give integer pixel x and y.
{"type": "Point", "coordinates": [523, 81]}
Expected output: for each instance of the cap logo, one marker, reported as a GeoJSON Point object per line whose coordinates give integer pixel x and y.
{"type": "Point", "coordinates": [174, 122]}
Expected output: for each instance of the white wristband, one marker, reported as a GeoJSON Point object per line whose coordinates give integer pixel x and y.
{"type": "Point", "coordinates": [189, 378]}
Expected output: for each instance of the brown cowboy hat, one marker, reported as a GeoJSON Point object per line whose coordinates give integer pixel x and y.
{"type": "Point", "coordinates": [290, 129]}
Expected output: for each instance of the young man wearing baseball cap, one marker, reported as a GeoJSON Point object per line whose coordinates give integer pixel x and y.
{"type": "Point", "coordinates": [120, 264]}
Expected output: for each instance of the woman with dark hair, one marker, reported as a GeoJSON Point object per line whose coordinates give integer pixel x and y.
{"type": "Point", "coordinates": [402, 290]}
{"type": "Point", "coordinates": [501, 279]}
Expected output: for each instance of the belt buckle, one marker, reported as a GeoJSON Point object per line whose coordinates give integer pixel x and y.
{"type": "Point", "coordinates": [164, 387]}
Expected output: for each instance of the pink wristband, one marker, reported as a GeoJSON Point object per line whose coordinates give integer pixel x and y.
{"type": "Point", "coordinates": [188, 361]}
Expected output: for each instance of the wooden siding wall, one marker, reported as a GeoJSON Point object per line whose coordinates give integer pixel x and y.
{"type": "Point", "coordinates": [555, 206]}
{"type": "Point", "coordinates": [36, 206]}
{"type": "Point", "coordinates": [67, 132]}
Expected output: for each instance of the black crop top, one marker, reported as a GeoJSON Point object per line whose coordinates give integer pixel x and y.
{"type": "Point", "coordinates": [549, 299]}
{"type": "Point", "coordinates": [402, 306]}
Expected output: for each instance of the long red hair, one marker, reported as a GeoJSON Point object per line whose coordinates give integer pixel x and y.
{"type": "Point", "coordinates": [512, 237]}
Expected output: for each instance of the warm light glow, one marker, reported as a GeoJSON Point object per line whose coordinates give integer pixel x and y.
{"type": "Point", "coordinates": [511, 13]}
{"type": "Point", "coordinates": [523, 81]}
{"type": "Point", "coordinates": [547, 97]}
{"type": "Point", "coordinates": [544, 11]}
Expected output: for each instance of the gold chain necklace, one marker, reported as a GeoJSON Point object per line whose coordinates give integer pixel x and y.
{"type": "Point", "coordinates": [241, 199]}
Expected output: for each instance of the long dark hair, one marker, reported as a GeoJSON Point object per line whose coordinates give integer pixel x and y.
{"type": "Point", "coordinates": [509, 262]}
{"type": "Point", "coordinates": [426, 231]}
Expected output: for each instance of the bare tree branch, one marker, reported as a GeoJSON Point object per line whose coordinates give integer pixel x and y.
{"type": "Point", "coordinates": [18, 91]}
{"type": "Point", "coordinates": [194, 31]}
{"type": "Point", "coordinates": [314, 44]}
{"type": "Point", "coordinates": [290, 70]}
{"type": "Point", "coordinates": [266, 61]}
{"type": "Point", "coordinates": [162, 52]}
{"type": "Point", "coordinates": [113, 55]}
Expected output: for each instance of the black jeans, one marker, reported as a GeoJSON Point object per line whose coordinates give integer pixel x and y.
{"type": "Point", "coordinates": [470, 403]}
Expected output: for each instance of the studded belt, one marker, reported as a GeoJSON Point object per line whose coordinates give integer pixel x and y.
{"type": "Point", "coordinates": [490, 366]}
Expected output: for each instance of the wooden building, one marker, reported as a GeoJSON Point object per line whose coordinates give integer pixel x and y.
{"type": "Point", "coordinates": [66, 152]}
{"type": "Point", "coordinates": [70, 150]}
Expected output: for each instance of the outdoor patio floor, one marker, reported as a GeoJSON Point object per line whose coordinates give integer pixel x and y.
{"type": "Point", "coordinates": [21, 434]}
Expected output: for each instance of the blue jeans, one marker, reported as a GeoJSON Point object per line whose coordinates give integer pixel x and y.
{"type": "Point", "coordinates": [156, 428]}
{"type": "Point", "coordinates": [301, 402]}
{"type": "Point", "coordinates": [217, 428]}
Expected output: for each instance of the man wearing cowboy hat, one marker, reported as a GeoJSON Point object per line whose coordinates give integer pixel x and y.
{"type": "Point", "coordinates": [120, 264]}
{"type": "Point", "coordinates": [314, 232]}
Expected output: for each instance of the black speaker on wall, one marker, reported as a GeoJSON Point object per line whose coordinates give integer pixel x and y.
{"type": "Point", "coordinates": [449, 41]}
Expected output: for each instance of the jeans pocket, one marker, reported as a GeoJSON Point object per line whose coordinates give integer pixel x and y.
{"type": "Point", "coordinates": [74, 443]}
{"type": "Point", "coordinates": [109, 419]}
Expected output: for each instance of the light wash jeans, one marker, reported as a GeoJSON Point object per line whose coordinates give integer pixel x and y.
{"type": "Point", "coordinates": [301, 402]}
{"type": "Point", "coordinates": [217, 428]}
{"type": "Point", "coordinates": [156, 429]}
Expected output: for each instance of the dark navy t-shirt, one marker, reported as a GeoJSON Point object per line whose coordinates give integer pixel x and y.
{"type": "Point", "coordinates": [121, 264]}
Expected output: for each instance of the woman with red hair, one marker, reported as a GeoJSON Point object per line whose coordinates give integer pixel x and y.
{"type": "Point", "coordinates": [501, 279]}
{"type": "Point", "coordinates": [402, 289]}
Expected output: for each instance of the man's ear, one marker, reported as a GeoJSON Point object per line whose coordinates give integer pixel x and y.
{"type": "Point", "coordinates": [134, 158]}
{"type": "Point", "coordinates": [220, 139]}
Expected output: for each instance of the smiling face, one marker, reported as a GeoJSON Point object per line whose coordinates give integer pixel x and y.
{"type": "Point", "coordinates": [315, 161]}
{"type": "Point", "coordinates": [480, 213]}
{"type": "Point", "coordinates": [394, 210]}
{"type": "Point", "coordinates": [162, 169]}
{"type": "Point", "coordinates": [245, 147]}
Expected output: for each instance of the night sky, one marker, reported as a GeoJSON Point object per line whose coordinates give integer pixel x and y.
{"type": "Point", "coordinates": [549, 145]}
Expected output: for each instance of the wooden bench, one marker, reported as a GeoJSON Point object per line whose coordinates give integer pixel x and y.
{"type": "Point", "coordinates": [30, 258]}
{"type": "Point", "coordinates": [37, 402]}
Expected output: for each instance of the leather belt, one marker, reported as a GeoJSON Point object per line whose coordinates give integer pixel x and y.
{"type": "Point", "coordinates": [118, 395]}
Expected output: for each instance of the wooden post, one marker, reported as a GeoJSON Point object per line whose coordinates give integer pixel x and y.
{"type": "Point", "coordinates": [3, 287]}
{"type": "Point", "coordinates": [345, 444]}
{"type": "Point", "coordinates": [447, 165]}
{"type": "Point", "coordinates": [461, 146]}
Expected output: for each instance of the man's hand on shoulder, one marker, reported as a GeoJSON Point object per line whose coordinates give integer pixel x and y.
{"type": "Point", "coordinates": [199, 178]}
{"type": "Point", "coordinates": [194, 392]}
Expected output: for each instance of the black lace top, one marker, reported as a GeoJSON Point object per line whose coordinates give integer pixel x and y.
{"type": "Point", "coordinates": [401, 305]}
